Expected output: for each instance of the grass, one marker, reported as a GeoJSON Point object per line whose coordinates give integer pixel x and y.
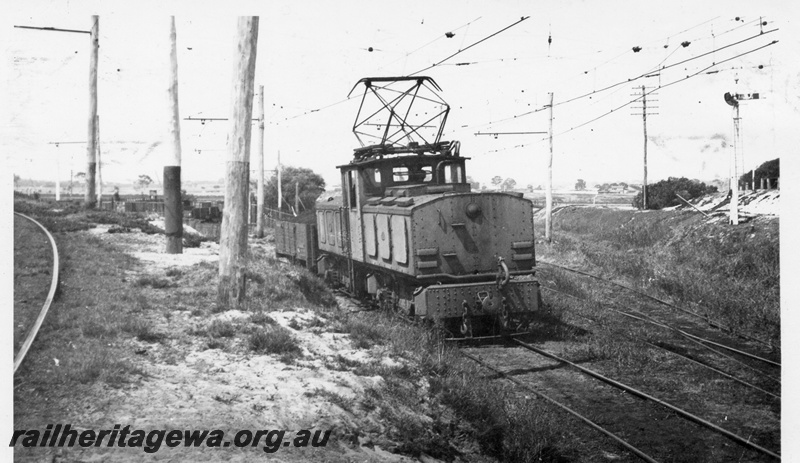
{"type": "Point", "coordinates": [275, 340]}
{"type": "Point", "coordinates": [730, 274]}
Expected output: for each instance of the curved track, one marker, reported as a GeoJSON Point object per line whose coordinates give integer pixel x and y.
{"type": "Point", "coordinates": [50, 295]}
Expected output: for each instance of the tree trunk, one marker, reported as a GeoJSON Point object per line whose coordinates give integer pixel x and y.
{"type": "Point", "coordinates": [233, 233]}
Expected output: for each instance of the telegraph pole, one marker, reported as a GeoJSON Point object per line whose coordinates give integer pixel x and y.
{"type": "Point", "coordinates": [99, 164]}
{"type": "Point", "coordinates": [644, 125]}
{"type": "Point", "coordinates": [233, 233]}
{"type": "Point", "coordinates": [173, 207]}
{"type": "Point", "coordinates": [548, 198]}
{"type": "Point", "coordinates": [280, 191]}
{"type": "Point", "coordinates": [260, 166]}
{"type": "Point", "coordinates": [91, 148]}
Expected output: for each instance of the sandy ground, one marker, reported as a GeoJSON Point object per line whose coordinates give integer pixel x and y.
{"type": "Point", "coordinates": [188, 386]}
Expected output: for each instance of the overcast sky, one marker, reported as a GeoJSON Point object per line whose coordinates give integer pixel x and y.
{"type": "Point", "coordinates": [310, 54]}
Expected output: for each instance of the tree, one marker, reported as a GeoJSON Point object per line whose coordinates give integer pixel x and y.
{"type": "Point", "coordinates": [509, 184]}
{"type": "Point", "coordinates": [497, 180]}
{"type": "Point", "coordinates": [769, 169]}
{"type": "Point", "coordinates": [141, 183]}
{"type": "Point", "coordinates": [473, 183]}
{"type": "Point", "coordinates": [16, 180]}
{"type": "Point", "coordinates": [311, 187]}
{"type": "Point", "coordinates": [580, 185]}
{"type": "Point", "coordinates": [664, 193]}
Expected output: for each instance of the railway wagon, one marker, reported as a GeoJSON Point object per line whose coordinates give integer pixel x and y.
{"type": "Point", "coordinates": [296, 239]}
{"type": "Point", "coordinates": [408, 231]}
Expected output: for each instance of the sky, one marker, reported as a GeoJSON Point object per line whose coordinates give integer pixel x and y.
{"type": "Point", "coordinates": [311, 54]}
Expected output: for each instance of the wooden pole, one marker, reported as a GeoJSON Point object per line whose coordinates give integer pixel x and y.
{"type": "Point", "coordinates": [260, 166]}
{"type": "Point", "coordinates": [233, 232]}
{"type": "Point", "coordinates": [99, 164]}
{"type": "Point", "coordinates": [548, 201]}
{"type": "Point", "coordinates": [173, 207]}
{"type": "Point", "coordinates": [644, 122]}
{"type": "Point", "coordinates": [280, 189]}
{"type": "Point", "coordinates": [91, 148]}
{"type": "Point", "coordinates": [296, 198]}
{"type": "Point", "coordinates": [58, 175]}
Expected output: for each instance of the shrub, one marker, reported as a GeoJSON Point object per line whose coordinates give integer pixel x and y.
{"type": "Point", "coordinates": [664, 193]}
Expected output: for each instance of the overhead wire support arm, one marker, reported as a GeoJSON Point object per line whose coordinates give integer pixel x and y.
{"type": "Point", "coordinates": [494, 134]}
{"type": "Point", "coordinates": [54, 29]}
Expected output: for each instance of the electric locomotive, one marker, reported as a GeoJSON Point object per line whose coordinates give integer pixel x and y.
{"type": "Point", "coordinates": [408, 231]}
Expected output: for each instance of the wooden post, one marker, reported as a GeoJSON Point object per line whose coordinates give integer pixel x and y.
{"type": "Point", "coordinates": [548, 197]}
{"type": "Point", "coordinates": [58, 175]}
{"type": "Point", "coordinates": [233, 232]}
{"type": "Point", "coordinates": [91, 148]}
{"type": "Point", "coordinates": [644, 121]}
{"type": "Point", "coordinates": [296, 198]}
{"type": "Point", "coordinates": [260, 166]}
{"type": "Point", "coordinates": [173, 207]}
{"type": "Point", "coordinates": [280, 189]}
{"type": "Point", "coordinates": [99, 164]}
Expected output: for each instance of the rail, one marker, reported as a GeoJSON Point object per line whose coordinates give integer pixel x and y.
{"type": "Point", "coordinates": [43, 313]}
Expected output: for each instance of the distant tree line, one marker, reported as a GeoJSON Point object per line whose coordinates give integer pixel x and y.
{"type": "Point", "coordinates": [770, 169]}
{"type": "Point", "coordinates": [664, 193]}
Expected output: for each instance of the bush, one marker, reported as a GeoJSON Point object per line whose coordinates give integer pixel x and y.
{"type": "Point", "coordinates": [664, 193]}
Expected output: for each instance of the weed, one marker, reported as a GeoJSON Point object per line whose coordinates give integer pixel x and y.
{"type": "Point", "coordinates": [153, 282]}
{"type": "Point", "coordinates": [142, 329]}
{"type": "Point", "coordinates": [364, 335]}
{"type": "Point", "coordinates": [174, 272]}
{"type": "Point", "coordinates": [345, 403]}
{"type": "Point", "coordinates": [221, 329]}
{"type": "Point", "coordinates": [262, 318]}
{"type": "Point", "coordinates": [275, 340]}
{"type": "Point", "coordinates": [216, 344]}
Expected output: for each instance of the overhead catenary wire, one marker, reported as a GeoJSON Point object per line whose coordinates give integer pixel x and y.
{"type": "Point", "coordinates": [472, 45]}
{"type": "Point", "coordinates": [640, 76]}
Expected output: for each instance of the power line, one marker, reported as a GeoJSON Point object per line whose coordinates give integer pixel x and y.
{"type": "Point", "coordinates": [640, 97]}
{"type": "Point", "coordinates": [630, 80]}
{"type": "Point", "coordinates": [472, 45]}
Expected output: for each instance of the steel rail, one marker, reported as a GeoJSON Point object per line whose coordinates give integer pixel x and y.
{"type": "Point", "coordinates": [572, 412]}
{"type": "Point", "coordinates": [695, 339]}
{"type": "Point", "coordinates": [689, 416]}
{"type": "Point", "coordinates": [710, 322]}
{"type": "Point", "coordinates": [43, 313]}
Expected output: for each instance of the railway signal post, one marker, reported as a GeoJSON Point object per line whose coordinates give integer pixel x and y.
{"type": "Point", "coordinates": [737, 157]}
{"type": "Point", "coordinates": [233, 232]}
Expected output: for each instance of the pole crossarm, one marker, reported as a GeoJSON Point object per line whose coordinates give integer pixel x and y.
{"type": "Point", "coordinates": [54, 29]}
{"type": "Point", "coordinates": [494, 134]}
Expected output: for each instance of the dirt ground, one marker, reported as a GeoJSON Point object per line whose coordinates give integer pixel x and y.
{"type": "Point", "coordinates": [189, 386]}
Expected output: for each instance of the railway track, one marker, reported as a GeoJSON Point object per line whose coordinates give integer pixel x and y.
{"type": "Point", "coordinates": [648, 427]}
{"type": "Point", "coordinates": [37, 323]}
{"type": "Point", "coordinates": [752, 363]}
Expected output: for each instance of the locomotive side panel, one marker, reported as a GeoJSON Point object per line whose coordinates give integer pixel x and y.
{"type": "Point", "coordinates": [386, 241]}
